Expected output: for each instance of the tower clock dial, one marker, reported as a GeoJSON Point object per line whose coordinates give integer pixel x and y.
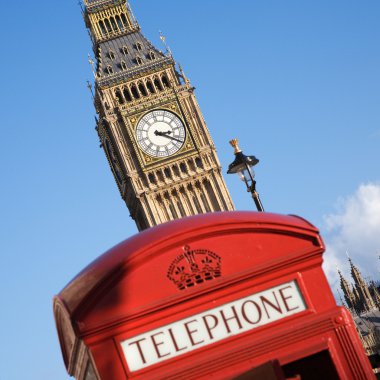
{"type": "Point", "coordinates": [160, 133]}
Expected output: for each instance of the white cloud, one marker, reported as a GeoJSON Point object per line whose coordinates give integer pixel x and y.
{"type": "Point", "coordinates": [354, 227]}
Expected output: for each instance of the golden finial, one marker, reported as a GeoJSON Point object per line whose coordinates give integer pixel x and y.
{"type": "Point", "coordinates": [163, 39]}
{"type": "Point", "coordinates": [235, 144]}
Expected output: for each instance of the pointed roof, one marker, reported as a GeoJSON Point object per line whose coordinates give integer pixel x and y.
{"type": "Point", "coordinates": [343, 282]}
{"type": "Point", "coordinates": [127, 56]}
{"type": "Point", "coordinates": [355, 273]}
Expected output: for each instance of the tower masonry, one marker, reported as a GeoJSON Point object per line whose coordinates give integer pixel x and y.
{"type": "Point", "coordinates": [349, 295]}
{"type": "Point", "coordinates": [362, 288]}
{"type": "Point", "coordinates": [361, 296]}
{"type": "Point", "coordinates": [149, 123]}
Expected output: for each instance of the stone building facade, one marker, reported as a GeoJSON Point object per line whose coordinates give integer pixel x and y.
{"type": "Point", "coordinates": [362, 299]}
{"type": "Point", "coordinates": [149, 122]}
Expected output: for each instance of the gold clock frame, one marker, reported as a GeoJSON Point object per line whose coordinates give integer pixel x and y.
{"type": "Point", "coordinates": [149, 161]}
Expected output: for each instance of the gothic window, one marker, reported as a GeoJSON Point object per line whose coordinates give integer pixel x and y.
{"type": "Point", "coordinates": [176, 170]}
{"type": "Point", "coordinates": [157, 83]}
{"type": "Point", "coordinates": [109, 69]}
{"type": "Point", "coordinates": [124, 49]}
{"type": "Point", "coordinates": [149, 86]}
{"type": "Point", "coordinates": [152, 178]}
{"type": "Point", "coordinates": [165, 81]}
{"type": "Point", "coordinates": [152, 56]}
{"type": "Point", "coordinates": [183, 167]}
{"type": "Point", "coordinates": [173, 211]}
{"type": "Point", "coordinates": [124, 19]}
{"type": "Point", "coordinates": [160, 176]}
{"type": "Point", "coordinates": [113, 23]}
{"type": "Point", "coordinates": [138, 46]}
{"type": "Point", "coordinates": [168, 173]}
{"type": "Point", "coordinates": [191, 165]}
{"type": "Point", "coordinates": [119, 23]}
{"type": "Point", "coordinates": [102, 28]}
{"type": "Point", "coordinates": [108, 25]}
{"type": "Point", "coordinates": [139, 60]}
{"type": "Point", "coordinates": [123, 65]}
{"type": "Point", "coordinates": [181, 209]}
{"type": "Point", "coordinates": [111, 54]}
{"type": "Point", "coordinates": [199, 163]}
{"type": "Point", "coordinates": [127, 94]}
{"type": "Point", "coordinates": [119, 97]}
{"type": "Point", "coordinates": [142, 89]}
{"type": "Point", "coordinates": [134, 91]}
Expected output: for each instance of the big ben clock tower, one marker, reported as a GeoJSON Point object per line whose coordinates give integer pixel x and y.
{"type": "Point", "coordinates": [150, 125]}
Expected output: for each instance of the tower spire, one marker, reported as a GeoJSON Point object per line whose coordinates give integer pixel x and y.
{"type": "Point", "coordinates": [361, 288]}
{"type": "Point", "coordinates": [150, 126]}
{"type": "Point", "coordinates": [376, 295]}
{"type": "Point", "coordinates": [347, 292]}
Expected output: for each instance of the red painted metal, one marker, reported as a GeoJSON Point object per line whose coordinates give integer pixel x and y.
{"type": "Point", "coordinates": [127, 292]}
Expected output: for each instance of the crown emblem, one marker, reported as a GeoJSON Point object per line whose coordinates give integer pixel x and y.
{"type": "Point", "coordinates": [194, 267]}
{"type": "Point", "coordinates": [235, 144]}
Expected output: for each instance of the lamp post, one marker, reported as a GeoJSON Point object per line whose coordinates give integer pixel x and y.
{"type": "Point", "coordinates": [242, 166]}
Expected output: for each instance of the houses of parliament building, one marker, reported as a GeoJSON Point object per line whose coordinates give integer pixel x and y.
{"type": "Point", "coordinates": [362, 299]}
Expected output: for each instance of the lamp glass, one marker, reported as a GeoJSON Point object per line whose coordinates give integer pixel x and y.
{"type": "Point", "coordinates": [241, 176]}
{"type": "Point", "coordinates": [246, 174]}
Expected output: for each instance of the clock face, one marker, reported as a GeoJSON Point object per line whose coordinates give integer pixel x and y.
{"type": "Point", "coordinates": [160, 133]}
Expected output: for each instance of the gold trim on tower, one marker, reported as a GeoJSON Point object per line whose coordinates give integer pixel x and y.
{"type": "Point", "coordinates": [134, 78]}
{"type": "Point", "coordinates": [147, 160]}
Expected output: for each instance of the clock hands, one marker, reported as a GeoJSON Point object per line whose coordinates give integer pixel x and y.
{"type": "Point", "coordinates": [166, 134]}
{"type": "Point", "coordinates": [157, 133]}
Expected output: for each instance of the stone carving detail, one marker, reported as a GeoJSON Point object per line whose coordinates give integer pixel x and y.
{"type": "Point", "coordinates": [133, 78]}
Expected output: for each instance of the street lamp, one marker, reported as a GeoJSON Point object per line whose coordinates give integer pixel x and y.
{"type": "Point", "coordinates": [242, 166]}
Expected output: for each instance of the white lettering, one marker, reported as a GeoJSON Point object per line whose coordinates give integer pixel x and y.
{"type": "Point", "coordinates": [213, 325]}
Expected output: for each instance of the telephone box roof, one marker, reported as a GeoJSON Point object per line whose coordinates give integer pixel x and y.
{"type": "Point", "coordinates": [140, 246]}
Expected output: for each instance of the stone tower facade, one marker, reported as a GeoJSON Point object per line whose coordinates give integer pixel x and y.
{"type": "Point", "coordinates": [349, 295]}
{"type": "Point", "coordinates": [360, 297]}
{"type": "Point", "coordinates": [362, 288]}
{"type": "Point", "coordinates": [150, 125]}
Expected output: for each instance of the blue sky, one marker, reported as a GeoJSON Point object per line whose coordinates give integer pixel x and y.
{"type": "Point", "coordinates": [296, 81]}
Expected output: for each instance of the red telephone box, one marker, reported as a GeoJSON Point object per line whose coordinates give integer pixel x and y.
{"type": "Point", "coordinates": [210, 296]}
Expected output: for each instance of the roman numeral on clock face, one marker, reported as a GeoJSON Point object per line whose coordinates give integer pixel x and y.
{"type": "Point", "coordinates": [160, 133]}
